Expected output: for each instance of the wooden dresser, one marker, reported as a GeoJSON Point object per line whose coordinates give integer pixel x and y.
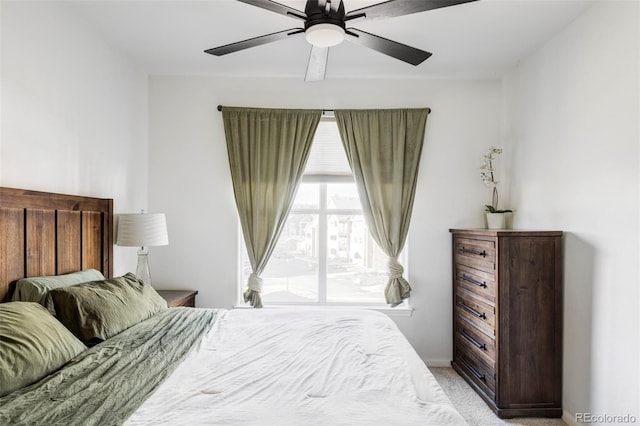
{"type": "Point", "coordinates": [507, 318]}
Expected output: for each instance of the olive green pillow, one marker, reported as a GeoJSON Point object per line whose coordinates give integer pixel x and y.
{"type": "Point", "coordinates": [97, 310]}
{"type": "Point", "coordinates": [33, 344]}
{"type": "Point", "coordinates": [36, 289]}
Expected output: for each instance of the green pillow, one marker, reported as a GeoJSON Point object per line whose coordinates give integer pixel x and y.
{"type": "Point", "coordinates": [97, 310]}
{"type": "Point", "coordinates": [36, 289]}
{"type": "Point", "coordinates": [33, 344]}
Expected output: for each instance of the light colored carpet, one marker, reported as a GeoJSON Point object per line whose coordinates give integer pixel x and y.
{"type": "Point", "coordinates": [473, 408]}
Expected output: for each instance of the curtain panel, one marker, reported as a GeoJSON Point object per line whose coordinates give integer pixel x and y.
{"type": "Point", "coordinates": [383, 148]}
{"type": "Point", "coordinates": [268, 150]}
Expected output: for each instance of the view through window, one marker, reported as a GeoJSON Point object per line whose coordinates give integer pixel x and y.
{"type": "Point", "coordinates": [325, 254]}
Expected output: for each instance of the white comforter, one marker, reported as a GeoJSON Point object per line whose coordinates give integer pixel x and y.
{"type": "Point", "coordinates": [300, 367]}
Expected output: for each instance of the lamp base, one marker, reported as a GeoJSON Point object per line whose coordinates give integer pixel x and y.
{"type": "Point", "coordinates": [142, 270]}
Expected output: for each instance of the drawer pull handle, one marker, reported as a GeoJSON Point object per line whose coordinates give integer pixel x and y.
{"type": "Point", "coordinates": [473, 311]}
{"type": "Point", "coordinates": [473, 341]}
{"type": "Point", "coordinates": [482, 253]}
{"type": "Point", "coordinates": [475, 372]}
{"type": "Point", "coordinates": [472, 281]}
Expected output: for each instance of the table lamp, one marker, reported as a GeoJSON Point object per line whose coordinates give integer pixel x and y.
{"type": "Point", "coordinates": [142, 230]}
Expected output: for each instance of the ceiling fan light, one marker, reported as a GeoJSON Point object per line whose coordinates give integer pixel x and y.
{"type": "Point", "coordinates": [324, 35]}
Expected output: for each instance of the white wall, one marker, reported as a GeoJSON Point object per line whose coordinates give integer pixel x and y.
{"type": "Point", "coordinates": [189, 180]}
{"type": "Point", "coordinates": [572, 121]}
{"type": "Point", "coordinates": [74, 111]}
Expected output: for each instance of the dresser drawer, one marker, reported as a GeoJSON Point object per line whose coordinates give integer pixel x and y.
{"type": "Point", "coordinates": [476, 281]}
{"type": "Point", "coordinates": [477, 312]}
{"type": "Point", "coordinates": [482, 375]}
{"type": "Point", "coordinates": [477, 254]}
{"type": "Point", "coordinates": [474, 341]}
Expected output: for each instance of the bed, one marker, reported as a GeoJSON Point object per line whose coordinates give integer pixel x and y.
{"type": "Point", "coordinates": [178, 366]}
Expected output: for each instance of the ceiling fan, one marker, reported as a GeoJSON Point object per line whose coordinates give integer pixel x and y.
{"type": "Point", "coordinates": [325, 26]}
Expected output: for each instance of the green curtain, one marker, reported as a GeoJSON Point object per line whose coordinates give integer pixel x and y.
{"type": "Point", "coordinates": [383, 148]}
{"type": "Point", "coordinates": [268, 150]}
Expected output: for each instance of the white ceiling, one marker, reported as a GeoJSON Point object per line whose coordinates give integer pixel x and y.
{"type": "Point", "coordinates": [480, 39]}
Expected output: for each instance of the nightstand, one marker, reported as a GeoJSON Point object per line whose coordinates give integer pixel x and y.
{"type": "Point", "coordinates": [177, 298]}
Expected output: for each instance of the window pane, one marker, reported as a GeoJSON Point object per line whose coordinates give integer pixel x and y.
{"type": "Point", "coordinates": [356, 267]}
{"type": "Point", "coordinates": [308, 196]}
{"type": "Point", "coordinates": [343, 196]}
{"type": "Point", "coordinates": [292, 272]}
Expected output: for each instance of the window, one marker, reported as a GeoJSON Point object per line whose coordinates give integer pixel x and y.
{"type": "Point", "coordinates": [325, 254]}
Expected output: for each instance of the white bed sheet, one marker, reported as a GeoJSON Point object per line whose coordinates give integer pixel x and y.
{"type": "Point", "coordinates": [300, 367]}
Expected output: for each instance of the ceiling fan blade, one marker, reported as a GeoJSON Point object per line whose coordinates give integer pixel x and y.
{"type": "Point", "coordinates": [391, 8]}
{"type": "Point", "coordinates": [277, 8]}
{"type": "Point", "coordinates": [391, 48]}
{"type": "Point", "coordinates": [252, 42]}
{"type": "Point", "coordinates": [317, 66]}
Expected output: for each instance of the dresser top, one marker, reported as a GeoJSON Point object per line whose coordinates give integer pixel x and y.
{"type": "Point", "coordinates": [507, 232]}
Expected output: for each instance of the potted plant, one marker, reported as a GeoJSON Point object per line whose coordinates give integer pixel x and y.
{"type": "Point", "coordinates": [495, 216]}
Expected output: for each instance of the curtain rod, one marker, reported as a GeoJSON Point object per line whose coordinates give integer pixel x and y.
{"type": "Point", "coordinates": [323, 111]}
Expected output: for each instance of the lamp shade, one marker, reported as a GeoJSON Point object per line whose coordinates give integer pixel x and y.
{"type": "Point", "coordinates": [142, 230]}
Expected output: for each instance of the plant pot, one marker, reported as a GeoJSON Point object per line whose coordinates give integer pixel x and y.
{"type": "Point", "coordinates": [496, 220]}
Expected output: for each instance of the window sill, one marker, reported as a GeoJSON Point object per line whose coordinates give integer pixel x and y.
{"type": "Point", "coordinates": [400, 311]}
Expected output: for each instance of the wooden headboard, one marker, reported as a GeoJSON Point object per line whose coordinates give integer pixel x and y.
{"type": "Point", "coordinates": [50, 234]}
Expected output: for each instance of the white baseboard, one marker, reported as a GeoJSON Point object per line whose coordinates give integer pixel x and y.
{"type": "Point", "coordinates": [437, 362]}
{"type": "Point", "coordinates": [569, 418]}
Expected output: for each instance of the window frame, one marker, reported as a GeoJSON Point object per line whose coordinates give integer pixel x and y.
{"type": "Point", "coordinates": [323, 212]}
